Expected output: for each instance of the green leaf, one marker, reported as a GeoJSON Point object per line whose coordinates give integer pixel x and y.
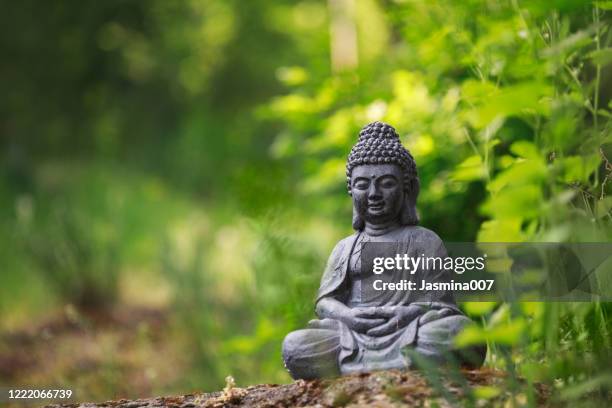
{"type": "Point", "coordinates": [476, 92]}
{"type": "Point", "coordinates": [577, 168]}
{"type": "Point", "coordinates": [486, 392]}
{"type": "Point", "coordinates": [524, 97]}
{"type": "Point", "coordinates": [518, 201]}
{"type": "Point", "coordinates": [478, 308]}
{"type": "Point", "coordinates": [601, 57]}
{"type": "Point", "coordinates": [501, 230]}
{"type": "Point", "coordinates": [519, 174]}
{"type": "Point", "coordinates": [570, 43]}
{"type": "Point", "coordinates": [470, 169]}
{"type": "Point", "coordinates": [525, 150]}
{"type": "Point", "coordinates": [508, 333]}
{"type": "Point", "coordinates": [605, 113]}
{"type": "Point", "coordinates": [532, 308]}
{"type": "Point", "coordinates": [470, 336]}
{"type": "Point", "coordinates": [604, 207]}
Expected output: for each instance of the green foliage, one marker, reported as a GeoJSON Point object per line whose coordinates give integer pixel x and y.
{"type": "Point", "coordinates": [141, 138]}
{"type": "Point", "coordinates": [503, 114]}
{"type": "Point", "coordinates": [78, 262]}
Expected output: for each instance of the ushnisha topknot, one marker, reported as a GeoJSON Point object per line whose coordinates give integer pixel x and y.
{"type": "Point", "coordinates": [379, 143]}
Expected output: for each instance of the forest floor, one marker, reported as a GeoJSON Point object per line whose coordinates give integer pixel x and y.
{"type": "Point", "coordinates": [119, 353]}
{"type": "Point", "coordinates": [103, 356]}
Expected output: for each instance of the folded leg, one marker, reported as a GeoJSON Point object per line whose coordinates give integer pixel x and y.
{"type": "Point", "coordinates": [435, 340]}
{"type": "Point", "coordinates": [312, 353]}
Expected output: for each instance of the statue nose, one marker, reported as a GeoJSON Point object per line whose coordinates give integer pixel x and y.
{"type": "Point", "coordinates": [373, 191]}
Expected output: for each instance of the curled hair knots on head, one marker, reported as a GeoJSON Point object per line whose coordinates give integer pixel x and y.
{"type": "Point", "coordinates": [379, 143]}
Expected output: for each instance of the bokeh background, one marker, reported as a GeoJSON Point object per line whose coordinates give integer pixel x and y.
{"type": "Point", "coordinates": [172, 175]}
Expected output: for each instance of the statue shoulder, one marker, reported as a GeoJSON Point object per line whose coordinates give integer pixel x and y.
{"type": "Point", "coordinates": [343, 244]}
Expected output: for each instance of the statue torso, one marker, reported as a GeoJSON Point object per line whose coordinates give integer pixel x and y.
{"type": "Point", "coordinates": [344, 280]}
{"type": "Point", "coordinates": [360, 282]}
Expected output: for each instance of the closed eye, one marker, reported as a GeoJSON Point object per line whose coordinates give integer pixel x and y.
{"type": "Point", "coordinates": [361, 184]}
{"type": "Point", "coordinates": [388, 182]}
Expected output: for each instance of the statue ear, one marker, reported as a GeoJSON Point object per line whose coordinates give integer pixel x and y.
{"type": "Point", "coordinates": [358, 222]}
{"type": "Point", "coordinates": [409, 214]}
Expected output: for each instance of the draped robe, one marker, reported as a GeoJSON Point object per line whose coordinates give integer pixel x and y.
{"type": "Point", "coordinates": [329, 347]}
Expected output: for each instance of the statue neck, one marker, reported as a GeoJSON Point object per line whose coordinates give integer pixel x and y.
{"type": "Point", "coordinates": [381, 229]}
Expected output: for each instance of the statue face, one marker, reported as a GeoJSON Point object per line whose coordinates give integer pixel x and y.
{"type": "Point", "coordinates": [378, 193]}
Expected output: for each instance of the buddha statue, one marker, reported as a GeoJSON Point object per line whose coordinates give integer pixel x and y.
{"type": "Point", "coordinates": [358, 330]}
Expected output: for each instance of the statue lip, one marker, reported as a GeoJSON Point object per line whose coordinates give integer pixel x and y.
{"type": "Point", "coordinates": [378, 205]}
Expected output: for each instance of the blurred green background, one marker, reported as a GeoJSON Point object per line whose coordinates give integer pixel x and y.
{"type": "Point", "coordinates": [172, 175]}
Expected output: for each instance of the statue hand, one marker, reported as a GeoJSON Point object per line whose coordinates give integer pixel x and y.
{"type": "Point", "coordinates": [362, 319]}
{"type": "Point", "coordinates": [399, 317]}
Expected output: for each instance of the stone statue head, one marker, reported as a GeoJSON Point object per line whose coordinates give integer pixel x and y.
{"type": "Point", "coordinates": [382, 178]}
